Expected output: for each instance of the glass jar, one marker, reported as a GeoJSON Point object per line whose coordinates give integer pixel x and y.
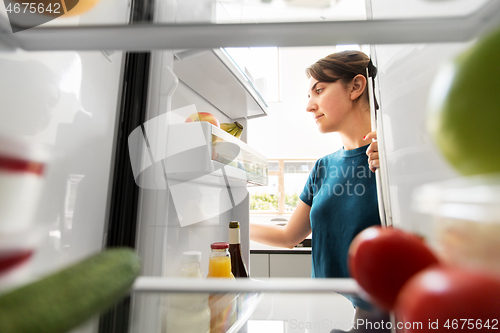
{"type": "Point", "coordinates": [219, 264]}
{"type": "Point", "coordinates": [222, 306]}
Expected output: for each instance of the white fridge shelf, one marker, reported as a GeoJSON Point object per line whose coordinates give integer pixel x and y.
{"type": "Point", "coordinates": [215, 76]}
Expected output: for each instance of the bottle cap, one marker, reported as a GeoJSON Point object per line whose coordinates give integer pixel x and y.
{"type": "Point", "coordinates": [219, 246]}
{"type": "Point", "coordinates": [191, 256]}
{"type": "Point", "coordinates": [234, 224]}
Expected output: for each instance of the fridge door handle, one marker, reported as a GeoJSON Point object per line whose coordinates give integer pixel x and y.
{"type": "Point", "coordinates": [382, 190]}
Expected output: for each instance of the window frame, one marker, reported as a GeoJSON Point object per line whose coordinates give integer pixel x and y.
{"type": "Point", "coordinates": [281, 185]}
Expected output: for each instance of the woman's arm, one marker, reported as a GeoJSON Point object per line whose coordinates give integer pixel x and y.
{"type": "Point", "coordinates": [295, 231]}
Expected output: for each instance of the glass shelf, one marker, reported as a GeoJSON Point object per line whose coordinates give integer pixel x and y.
{"type": "Point", "coordinates": [269, 11]}
{"type": "Point", "coordinates": [292, 303]}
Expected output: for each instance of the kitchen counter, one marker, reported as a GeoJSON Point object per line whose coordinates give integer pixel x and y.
{"type": "Point", "coordinates": [266, 249]}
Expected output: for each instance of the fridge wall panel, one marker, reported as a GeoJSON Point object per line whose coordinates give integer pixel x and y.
{"type": "Point", "coordinates": [161, 245]}
{"type": "Point", "coordinates": [406, 75]}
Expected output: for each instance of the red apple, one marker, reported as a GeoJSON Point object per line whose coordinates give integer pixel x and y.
{"type": "Point", "coordinates": [203, 116]}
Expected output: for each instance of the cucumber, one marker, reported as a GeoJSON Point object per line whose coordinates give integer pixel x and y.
{"type": "Point", "coordinates": [71, 296]}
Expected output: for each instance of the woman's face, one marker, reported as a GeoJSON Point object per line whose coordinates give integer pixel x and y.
{"type": "Point", "coordinates": [329, 103]}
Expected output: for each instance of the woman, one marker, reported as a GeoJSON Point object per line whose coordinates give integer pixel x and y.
{"type": "Point", "coordinates": [339, 199]}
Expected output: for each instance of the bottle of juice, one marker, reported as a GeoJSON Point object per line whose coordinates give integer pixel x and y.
{"type": "Point", "coordinates": [222, 306]}
{"type": "Point", "coordinates": [188, 313]}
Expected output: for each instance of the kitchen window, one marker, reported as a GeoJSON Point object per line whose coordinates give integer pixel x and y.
{"type": "Point", "coordinates": [286, 181]}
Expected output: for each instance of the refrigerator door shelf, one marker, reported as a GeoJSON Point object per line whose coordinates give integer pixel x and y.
{"type": "Point", "coordinates": [202, 153]}
{"type": "Point", "coordinates": [153, 284]}
{"type": "Point", "coordinates": [181, 312]}
{"type": "Point", "coordinates": [215, 76]}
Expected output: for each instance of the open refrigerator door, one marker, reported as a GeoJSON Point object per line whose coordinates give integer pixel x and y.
{"type": "Point", "coordinates": [97, 108]}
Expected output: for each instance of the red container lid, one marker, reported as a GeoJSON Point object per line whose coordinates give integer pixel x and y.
{"type": "Point", "coordinates": [219, 246]}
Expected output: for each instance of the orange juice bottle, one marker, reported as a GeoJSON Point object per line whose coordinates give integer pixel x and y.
{"type": "Point", "coordinates": [222, 306]}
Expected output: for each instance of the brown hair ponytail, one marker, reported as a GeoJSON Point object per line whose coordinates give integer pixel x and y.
{"type": "Point", "coordinates": [343, 66]}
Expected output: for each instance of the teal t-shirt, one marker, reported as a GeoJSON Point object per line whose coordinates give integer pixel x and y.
{"type": "Point", "coordinates": [342, 193]}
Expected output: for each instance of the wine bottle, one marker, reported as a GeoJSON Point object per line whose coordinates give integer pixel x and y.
{"type": "Point", "coordinates": [238, 266]}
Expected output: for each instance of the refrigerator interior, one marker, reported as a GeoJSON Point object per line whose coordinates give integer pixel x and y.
{"type": "Point", "coordinates": [65, 92]}
{"type": "Point", "coordinates": [188, 194]}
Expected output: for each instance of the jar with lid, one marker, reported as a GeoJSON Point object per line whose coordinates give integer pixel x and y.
{"type": "Point", "coordinates": [190, 264]}
{"type": "Point", "coordinates": [219, 264]}
{"type": "Point", "coordinates": [222, 306]}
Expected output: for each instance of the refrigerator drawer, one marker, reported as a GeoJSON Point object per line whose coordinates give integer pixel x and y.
{"type": "Point", "coordinates": [200, 152]}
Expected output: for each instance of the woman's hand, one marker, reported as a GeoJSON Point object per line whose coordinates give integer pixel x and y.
{"type": "Point", "coordinates": [372, 151]}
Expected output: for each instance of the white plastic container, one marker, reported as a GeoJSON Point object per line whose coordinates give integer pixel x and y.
{"type": "Point", "coordinates": [187, 313]}
{"type": "Point", "coordinates": [466, 220]}
{"type": "Point", "coordinates": [22, 168]}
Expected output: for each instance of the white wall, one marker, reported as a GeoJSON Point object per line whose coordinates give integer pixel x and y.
{"type": "Point", "coordinates": [289, 131]}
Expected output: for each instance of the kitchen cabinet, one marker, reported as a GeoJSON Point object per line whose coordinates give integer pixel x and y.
{"type": "Point", "coordinates": [259, 265]}
{"type": "Point", "coordinates": [283, 264]}
{"type": "Point", "coordinates": [290, 265]}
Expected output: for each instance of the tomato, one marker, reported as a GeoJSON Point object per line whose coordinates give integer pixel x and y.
{"type": "Point", "coordinates": [383, 259]}
{"type": "Point", "coordinates": [450, 299]}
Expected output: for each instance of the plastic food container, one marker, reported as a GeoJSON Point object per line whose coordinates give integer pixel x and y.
{"type": "Point", "coordinates": [22, 168]}
{"type": "Point", "coordinates": [466, 219]}
{"type": "Point", "coordinates": [17, 250]}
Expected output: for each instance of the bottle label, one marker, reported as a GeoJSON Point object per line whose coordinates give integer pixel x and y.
{"type": "Point", "coordinates": [234, 236]}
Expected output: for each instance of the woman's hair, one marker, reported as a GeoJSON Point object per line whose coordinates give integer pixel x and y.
{"type": "Point", "coordinates": [343, 66]}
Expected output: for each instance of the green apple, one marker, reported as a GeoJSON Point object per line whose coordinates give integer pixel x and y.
{"type": "Point", "coordinates": [464, 108]}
